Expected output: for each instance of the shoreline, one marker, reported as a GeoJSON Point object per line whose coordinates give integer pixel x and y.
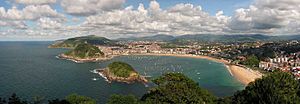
{"type": "Point", "coordinates": [239, 72]}
{"type": "Point", "coordinates": [104, 73]}
{"type": "Point", "coordinates": [243, 74]}
{"type": "Point", "coordinates": [77, 60]}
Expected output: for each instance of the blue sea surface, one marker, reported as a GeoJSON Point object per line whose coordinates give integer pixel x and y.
{"type": "Point", "coordinates": [31, 69]}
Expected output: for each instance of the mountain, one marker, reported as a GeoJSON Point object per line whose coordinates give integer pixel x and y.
{"type": "Point", "coordinates": [73, 42]}
{"type": "Point", "coordinates": [222, 38]}
{"type": "Point", "coordinates": [149, 38]}
{"type": "Point", "coordinates": [289, 37]}
{"type": "Point", "coordinates": [212, 38]}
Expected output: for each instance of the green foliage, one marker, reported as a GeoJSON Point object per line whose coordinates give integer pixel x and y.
{"type": "Point", "coordinates": [225, 100]}
{"type": "Point", "coordinates": [262, 53]}
{"type": "Point", "coordinates": [14, 99]}
{"type": "Point", "coordinates": [121, 99]}
{"type": "Point", "coordinates": [251, 61]}
{"type": "Point", "coordinates": [276, 88]}
{"type": "Point", "coordinates": [77, 99]}
{"type": "Point", "coordinates": [2, 101]}
{"type": "Point", "coordinates": [74, 42]}
{"type": "Point", "coordinates": [38, 100]}
{"type": "Point", "coordinates": [85, 51]}
{"type": "Point", "coordinates": [57, 101]}
{"type": "Point", "coordinates": [175, 88]}
{"type": "Point", "coordinates": [120, 69]}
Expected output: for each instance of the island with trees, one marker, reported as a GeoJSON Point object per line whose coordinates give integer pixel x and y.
{"type": "Point", "coordinates": [121, 72]}
{"type": "Point", "coordinates": [84, 53]}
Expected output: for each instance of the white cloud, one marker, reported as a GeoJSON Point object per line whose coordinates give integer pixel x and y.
{"type": "Point", "coordinates": [268, 16]}
{"type": "Point", "coordinates": [47, 23]}
{"type": "Point", "coordinates": [179, 19]}
{"type": "Point", "coordinates": [13, 24]}
{"type": "Point", "coordinates": [31, 12]}
{"type": "Point", "coordinates": [90, 7]}
{"type": "Point", "coordinates": [35, 2]}
{"type": "Point", "coordinates": [108, 18]}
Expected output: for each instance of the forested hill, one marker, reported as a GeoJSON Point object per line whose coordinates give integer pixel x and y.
{"type": "Point", "coordinates": [213, 38]}
{"type": "Point", "coordinates": [73, 42]}
{"type": "Point", "coordinates": [121, 69]}
{"type": "Point", "coordinates": [83, 51]}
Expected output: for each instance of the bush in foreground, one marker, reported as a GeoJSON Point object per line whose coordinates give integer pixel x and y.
{"type": "Point", "coordinates": [276, 88]}
{"type": "Point", "coordinates": [175, 88]}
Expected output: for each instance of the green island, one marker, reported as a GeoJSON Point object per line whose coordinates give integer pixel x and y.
{"type": "Point", "coordinates": [121, 72]}
{"type": "Point", "coordinates": [84, 53]}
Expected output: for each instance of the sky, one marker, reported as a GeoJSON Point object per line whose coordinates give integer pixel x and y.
{"type": "Point", "coordinates": [43, 20]}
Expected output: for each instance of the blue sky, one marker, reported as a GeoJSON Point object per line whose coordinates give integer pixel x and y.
{"type": "Point", "coordinates": [59, 19]}
{"type": "Point", "coordinates": [211, 6]}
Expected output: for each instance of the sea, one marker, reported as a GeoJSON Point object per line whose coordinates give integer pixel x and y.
{"type": "Point", "coordinates": [31, 69]}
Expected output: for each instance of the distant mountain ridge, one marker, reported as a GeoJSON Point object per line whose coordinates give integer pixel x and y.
{"type": "Point", "coordinates": [96, 40]}
{"type": "Point", "coordinates": [213, 38]}
{"type": "Point", "coordinates": [150, 38]}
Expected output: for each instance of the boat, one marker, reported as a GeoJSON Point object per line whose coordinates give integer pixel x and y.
{"type": "Point", "coordinates": [94, 71]}
{"type": "Point", "coordinates": [94, 79]}
{"type": "Point", "coordinates": [198, 73]}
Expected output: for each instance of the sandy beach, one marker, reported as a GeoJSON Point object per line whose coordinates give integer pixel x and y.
{"type": "Point", "coordinates": [244, 75]}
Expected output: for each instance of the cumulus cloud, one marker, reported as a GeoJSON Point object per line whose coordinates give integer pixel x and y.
{"type": "Point", "coordinates": [90, 7]}
{"type": "Point", "coordinates": [31, 12]}
{"type": "Point", "coordinates": [47, 23]}
{"type": "Point", "coordinates": [35, 2]}
{"type": "Point", "coordinates": [13, 24]}
{"type": "Point", "coordinates": [108, 18]}
{"type": "Point", "coordinates": [177, 20]}
{"type": "Point", "coordinates": [268, 16]}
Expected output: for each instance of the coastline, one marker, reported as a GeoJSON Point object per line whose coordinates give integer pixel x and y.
{"type": "Point", "coordinates": [104, 73]}
{"type": "Point", "coordinates": [241, 73]}
{"type": "Point", "coordinates": [78, 60]}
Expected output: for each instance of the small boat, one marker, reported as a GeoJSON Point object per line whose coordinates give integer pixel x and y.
{"type": "Point", "coordinates": [94, 79]}
{"type": "Point", "coordinates": [198, 73]}
{"type": "Point", "coordinates": [94, 71]}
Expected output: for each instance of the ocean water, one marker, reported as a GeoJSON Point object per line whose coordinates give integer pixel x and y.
{"type": "Point", "coordinates": [31, 69]}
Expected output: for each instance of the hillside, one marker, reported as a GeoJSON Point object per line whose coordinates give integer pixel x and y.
{"type": "Point", "coordinates": [121, 69]}
{"type": "Point", "coordinates": [121, 72]}
{"type": "Point", "coordinates": [213, 38]}
{"type": "Point", "coordinates": [73, 42]}
{"type": "Point", "coordinates": [149, 38]}
{"type": "Point", "coordinates": [223, 38]}
{"type": "Point", "coordinates": [84, 51]}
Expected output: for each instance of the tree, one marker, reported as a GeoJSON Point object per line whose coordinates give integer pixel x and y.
{"type": "Point", "coordinates": [38, 100]}
{"type": "Point", "coordinates": [78, 99]}
{"type": "Point", "coordinates": [175, 88]}
{"type": "Point", "coordinates": [121, 69]}
{"type": "Point", "coordinates": [2, 101]}
{"type": "Point", "coordinates": [276, 88]}
{"type": "Point", "coordinates": [57, 101]}
{"type": "Point", "coordinates": [121, 99]}
{"type": "Point", "coordinates": [251, 61]}
{"type": "Point", "coordinates": [14, 99]}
